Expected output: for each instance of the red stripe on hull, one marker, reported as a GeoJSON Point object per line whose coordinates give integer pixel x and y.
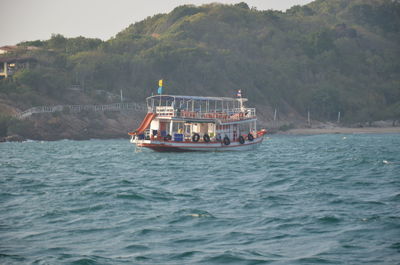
{"type": "Point", "coordinates": [168, 149]}
{"type": "Point", "coordinates": [187, 148]}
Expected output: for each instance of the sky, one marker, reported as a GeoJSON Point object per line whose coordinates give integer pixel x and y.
{"type": "Point", "coordinates": [27, 20]}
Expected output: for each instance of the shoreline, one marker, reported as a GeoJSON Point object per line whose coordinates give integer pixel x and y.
{"type": "Point", "coordinates": [296, 131]}
{"type": "Point", "coordinates": [339, 130]}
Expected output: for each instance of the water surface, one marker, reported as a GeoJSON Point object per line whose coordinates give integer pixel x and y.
{"type": "Point", "coordinates": [325, 199]}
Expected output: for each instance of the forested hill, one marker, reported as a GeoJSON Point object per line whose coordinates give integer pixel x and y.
{"type": "Point", "coordinates": [327, 56]}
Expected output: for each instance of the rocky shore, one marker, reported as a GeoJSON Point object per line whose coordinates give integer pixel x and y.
{"type": "Point", "coordinates": [82, 126]}
{"type": "Point", "coordinates": [340, 130]}
{"type": "Point", "coordinates": [12, 138]}
{"type": "Point", "coordinates": [333, 128]}
{"type": "Point", "coordinates": [109, 125]}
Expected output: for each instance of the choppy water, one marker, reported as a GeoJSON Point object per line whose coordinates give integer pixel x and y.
{"type": "Point", "coordinates": [328, 199]}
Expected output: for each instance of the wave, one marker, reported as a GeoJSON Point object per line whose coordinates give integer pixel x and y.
{"type": "Point", "coordinates": [296, 200]}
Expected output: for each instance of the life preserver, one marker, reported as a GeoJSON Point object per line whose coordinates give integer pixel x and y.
{"type": "Point", "coordinates": [241, 139]}
{"type": "Point", "coordinates": [261, 132]}
{"type": "Point", "coordinates": [195, 137]}
{"type": "Point", "coordinates": [168, 138]}
{"type": "Point", "coordinates": [206, 138]}
{"type": "Point", "coordinates": [250, 137]}
{"type": "Point", "coordinates": [227, 141]}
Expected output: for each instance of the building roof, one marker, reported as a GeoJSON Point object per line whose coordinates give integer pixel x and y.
{"type": "Point", "coordinates": [9, 48]}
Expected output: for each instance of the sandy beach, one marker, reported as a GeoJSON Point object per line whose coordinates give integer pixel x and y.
{"type": "Point", "coordinates": [341, 130]}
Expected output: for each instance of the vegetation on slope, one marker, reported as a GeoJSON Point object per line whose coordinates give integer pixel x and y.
{"type": "Point", "coordinates": [326, 57]}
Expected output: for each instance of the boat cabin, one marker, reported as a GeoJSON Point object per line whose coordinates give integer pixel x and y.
{"type": "Point", "coordinates": [198, 119]}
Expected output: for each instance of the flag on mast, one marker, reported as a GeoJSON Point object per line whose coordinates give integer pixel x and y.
{"type": "Point", "coordinates": [239, 93]}
{"type": "Point", "coordinates": [160, 86]}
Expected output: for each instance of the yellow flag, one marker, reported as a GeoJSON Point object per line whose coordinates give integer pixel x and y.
{"type": "Point", "coordinates": [160, 83]}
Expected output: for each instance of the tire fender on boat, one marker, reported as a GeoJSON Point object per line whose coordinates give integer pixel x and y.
{"type": "Point", "coordinates": [241, 139]}
{"type": "Point", "coordinates": [227, 141]}
{"type": "Point", "coordinates": [250, 137]}
{"type": "Point", "coordinates": [206, 138]}
{"type": "Point", "coordinates": [195, 137]}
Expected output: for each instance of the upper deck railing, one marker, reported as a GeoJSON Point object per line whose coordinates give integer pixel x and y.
{"type": "Point", "coordinates": [236, 114]}
{"type": "Point", "coordinates": [207, 108]}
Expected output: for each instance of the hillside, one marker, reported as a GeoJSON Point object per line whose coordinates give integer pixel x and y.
{"type": "Point", "coordinates": [327, 56]}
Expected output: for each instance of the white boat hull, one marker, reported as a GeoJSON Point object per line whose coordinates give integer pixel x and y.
{"type": "Point", "coordinates": [169, 146]}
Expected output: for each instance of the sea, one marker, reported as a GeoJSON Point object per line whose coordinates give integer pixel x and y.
{"type": "Point", "coordinates": [321, 199]}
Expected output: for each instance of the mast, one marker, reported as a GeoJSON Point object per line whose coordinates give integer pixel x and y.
{"type": "Point", "coordinates": [239, 95]}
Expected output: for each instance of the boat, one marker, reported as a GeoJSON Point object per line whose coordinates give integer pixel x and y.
{"type": "Point", "coordinates": [195, 123]}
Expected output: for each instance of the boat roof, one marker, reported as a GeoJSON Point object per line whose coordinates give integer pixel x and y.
{"type": "Point", "coordinates": [176, 97]}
